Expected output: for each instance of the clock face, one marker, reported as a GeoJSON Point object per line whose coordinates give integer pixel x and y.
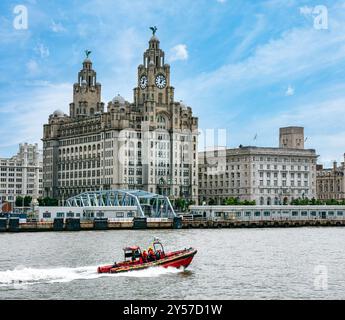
{"type": "Point", "coordinates": [143, 82]}
{"type": "Point", "coordinates": [161, 81]}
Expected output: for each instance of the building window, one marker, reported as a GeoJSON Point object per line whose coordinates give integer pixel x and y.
{"type": "Point", "coordinates": [47, 215]}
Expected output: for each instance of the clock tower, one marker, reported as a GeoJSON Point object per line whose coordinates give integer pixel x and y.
{"type": "Point", "coordinates": [154, 92]}
{"type": "Point", "coordinates": [168, 129]}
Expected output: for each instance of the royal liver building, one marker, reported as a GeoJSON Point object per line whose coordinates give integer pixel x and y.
{"type": "Point", "coordinates": [150, 144]}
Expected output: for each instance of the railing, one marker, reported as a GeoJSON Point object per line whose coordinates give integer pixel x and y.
{"type": "Point", "coordinates": [192, 218]}
{"type": "Point", "coordinates": [158, 220]}
{"type": "Point", "coordinates": [120, 220]}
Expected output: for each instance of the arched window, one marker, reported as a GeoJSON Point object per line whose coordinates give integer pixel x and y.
{"type": "Point", "coordinates": [161, 122]}
{"type": "Point", "coordinates": [262, 201]}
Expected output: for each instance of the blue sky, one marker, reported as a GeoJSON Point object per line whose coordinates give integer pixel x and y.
{"type": "Point", "coordinates": [245, 66]}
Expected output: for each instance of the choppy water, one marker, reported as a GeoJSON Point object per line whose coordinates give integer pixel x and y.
{"type": "Point", "coordinates": [301, 263]}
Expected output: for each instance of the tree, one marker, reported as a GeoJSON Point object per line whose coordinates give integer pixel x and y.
{"type": "Point", "coordinates": [211, 202]}
{"type": "Point", "coordinates": [237, 202]}
{"type": "Point", "coordinates": [26, 201]}
{"type": "Point", "coordinates": [19, 201]}
{"type": "Point", "coordinates": [48, 202]}
{"type": "Point", "coordinates": [181, 204]}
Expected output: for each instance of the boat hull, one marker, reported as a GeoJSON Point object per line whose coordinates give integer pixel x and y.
{"type": "Point", "coordinates": [177, 259]}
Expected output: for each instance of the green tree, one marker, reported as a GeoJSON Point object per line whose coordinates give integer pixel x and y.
{"type": "Point", "coordinates": [26, 201]}
{"type": "Point", "coordinates": [48, 202]}
{"type": "Point", "coordinates": [211, 202]}
{"type": "Point", "coordinates": [237, 202]}
{"type": "Point", "coordinates": [19, 201]}
{"type": "Point", "coordinates": [181, 204]}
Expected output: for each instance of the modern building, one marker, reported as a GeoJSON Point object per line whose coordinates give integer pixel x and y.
{"type": "Point", "coordinates": [21, 175]}
{"type": "Point", "coordinates": [331, 182]}
{"type": "Point", "coordinates": [149, 144]}
{"type": "Point", "coordinates": [267, 175]}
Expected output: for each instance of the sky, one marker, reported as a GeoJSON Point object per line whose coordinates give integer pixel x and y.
{"type": "Point", "coordinates": [247, 67]}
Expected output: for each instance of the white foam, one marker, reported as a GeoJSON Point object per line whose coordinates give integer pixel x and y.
{"type": "Point", "coordinates": [27, 276]}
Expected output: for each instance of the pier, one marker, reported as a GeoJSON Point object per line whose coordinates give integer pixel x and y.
{"type": "Point", "coordinates": [72, 225]}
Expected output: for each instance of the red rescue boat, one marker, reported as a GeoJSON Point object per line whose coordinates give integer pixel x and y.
{"type": "Point", "coordinates": [135, 259]}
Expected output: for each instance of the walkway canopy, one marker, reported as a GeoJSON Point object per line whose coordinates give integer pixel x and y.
{"type": "Point", "coordinates": [148, 204]}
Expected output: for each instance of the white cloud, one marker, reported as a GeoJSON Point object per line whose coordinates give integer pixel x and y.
{"type": "Point", "coordinates": [280, 59]}
{"type": "Point", "coordinates": [28, 112]}
{"type": "Point", "coordinates": [290, 91]}
{"type": "Point", "coordinates": [42, 50]}
{"type": "Point", "coordinates": [221, 1]}
{"type": "Point", "coordinates": [179, 52]}
{"type": "Point", "coordinates": [322, 127]}
{"type": "Point", "coordinates": [57, 27]}
{"type": "Point", "coordinates": [32, 67]}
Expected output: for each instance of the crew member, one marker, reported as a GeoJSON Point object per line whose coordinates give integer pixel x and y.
{"type": "Point", "coordinates": [144, 256]}
{"type": "Point", "coordinates": [152, 255]}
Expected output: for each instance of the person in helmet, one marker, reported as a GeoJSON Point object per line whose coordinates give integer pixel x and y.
{"type": "Point", "coordinates": [151, 254]}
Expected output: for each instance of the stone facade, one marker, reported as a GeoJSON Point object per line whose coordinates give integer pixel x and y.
{"type": "Point", "coordinates": [266, 175]}
{"type": "Point", "coordinates": [21, 175]}
{"type": "Point", "coordinates": [291, 137]}
{"type": "Point", "coordinates": [331, 182]}
{"type": "Point", "coordinates": [150, 144]}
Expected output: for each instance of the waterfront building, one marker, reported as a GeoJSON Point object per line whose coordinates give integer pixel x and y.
{"type": "Point", "coordinates": [148, 144]}
{"type": "Point", "coordinates": [331, 182]}
{"type": "Point", "coordinates": [272, 213]}
{"type": "Point", "coordinates": [112, 204]}
{"type": "Point", "coordinates": [264, 174]}
{"type": "Point", "coordinates": [21, 175]}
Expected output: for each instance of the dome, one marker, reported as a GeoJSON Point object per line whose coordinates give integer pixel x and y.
{"type": "Point", "coordinates": [154, 38]}
{"type": "Point", "coordinates": [58, 114]}
{"type": "Point", "coordinates": [119, 99]}
{"type": "Point", "coordinates": [87, 60]}
{"type": "Point", "coordinates": [84, 82]}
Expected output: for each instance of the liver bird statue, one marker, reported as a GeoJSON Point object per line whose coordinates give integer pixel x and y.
{"type": "Point", "coordinates": [154, 30]}
{"type": "Point", "coordinates": [87, 52]}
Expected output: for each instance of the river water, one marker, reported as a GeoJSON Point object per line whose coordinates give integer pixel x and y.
{"type": "Point", "coordinates": [296, 263]}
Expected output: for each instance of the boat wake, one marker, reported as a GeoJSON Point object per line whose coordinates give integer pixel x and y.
{"type": "Point", "coordinates": [22, 276]}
